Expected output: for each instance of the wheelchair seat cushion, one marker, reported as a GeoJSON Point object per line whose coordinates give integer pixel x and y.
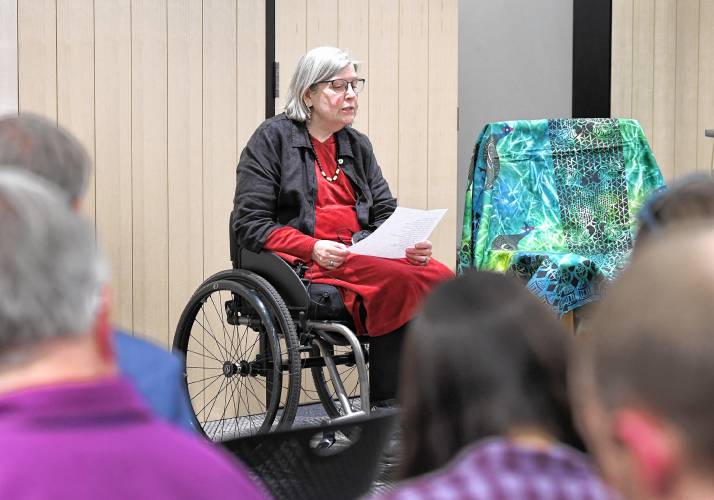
{"type": "Point", "coordinates": [555, 202]}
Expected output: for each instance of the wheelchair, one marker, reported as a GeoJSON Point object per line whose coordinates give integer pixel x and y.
{"type": "Point", "coordinates": [249, 335]}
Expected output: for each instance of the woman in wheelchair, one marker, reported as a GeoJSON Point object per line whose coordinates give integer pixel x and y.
{"type": "Point", "coordinates": [308, 186]}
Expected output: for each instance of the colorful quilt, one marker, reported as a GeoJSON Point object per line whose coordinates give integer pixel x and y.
{"type": "Point", "coordinates": [555, 202]}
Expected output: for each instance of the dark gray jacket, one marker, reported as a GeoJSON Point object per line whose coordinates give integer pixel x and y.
{"type": "Point", "coordinates": [276, 183]}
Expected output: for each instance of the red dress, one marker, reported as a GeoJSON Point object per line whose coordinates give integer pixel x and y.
{"type": "Point", "coordinates": [391, 290]}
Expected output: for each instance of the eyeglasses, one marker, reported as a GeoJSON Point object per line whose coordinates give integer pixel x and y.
{"type": "Point", "coordinates": [340, 86]}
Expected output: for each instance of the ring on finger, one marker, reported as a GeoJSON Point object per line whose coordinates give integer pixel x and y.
{"type": "Point", "coordinates": [331, 263]}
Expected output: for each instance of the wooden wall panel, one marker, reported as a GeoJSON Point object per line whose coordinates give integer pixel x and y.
{"type": "Point", "coordinates": [687, 84]}
{"type": "Point", "coordinates": [705, 145]}
{"type": "Point", "coordinates": [383, 87]}
{"type": "Point", "coordinates": [353, 35]}
{"type": "Point", "coordinates": [414, 99]}
{"type": "Point", "coordinates": [149, 169]}
{"type": "Point", "coordinates": [662, 67]}
{"type": "Point", "coordinates": [184, 152]}
{"type": "Point", "coordinates": [151, 89]}
{"type": "Point", "coordinates": [251, 74]}
{"type": "Point", "coordinates": [291, 26]}
{"type": "Point", "coordinates": [8, 57]}
{"type": "Point", "coordinates": [321, 18]}
{"type": "Point", "coordinates": [643, 63]}
{"type": "Point", "coordinates": [665, 44]}
{"type": "Point", "coordinates": [442, 141]}
{"type": "Point", "coordinates": [75, 79]}
{"type": "Point", "coordinates": [113, 149]}
{"type": "Point", "coordinates": [621, 74]}
{"type": "Point", "coordinates": [219, 128]}
{"type": "Point", "coordinates": [37, 62]}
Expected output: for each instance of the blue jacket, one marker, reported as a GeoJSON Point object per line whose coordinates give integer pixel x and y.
{"type": "Point", "coordinates": [158, 376]}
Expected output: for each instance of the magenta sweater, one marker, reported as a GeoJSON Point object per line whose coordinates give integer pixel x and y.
{"type": "Point", "coordinates": [97, 440]}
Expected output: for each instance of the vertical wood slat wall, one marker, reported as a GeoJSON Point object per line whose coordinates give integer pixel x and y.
{"type": "Point", "coordinates": [408, 51]}
{"type": "Point", "coordinates": [8, 57]}
{"type": "Point", "coordinates": [663, 75]}
{"type": "Point", "coordinates": [163, 94]}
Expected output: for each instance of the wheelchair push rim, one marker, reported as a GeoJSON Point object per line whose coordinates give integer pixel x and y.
{"type": "Point", "coordinates": [230, 335]}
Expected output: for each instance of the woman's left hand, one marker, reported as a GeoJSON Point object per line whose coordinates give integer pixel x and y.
{"type": "Point", "coordinates": [419, 254]}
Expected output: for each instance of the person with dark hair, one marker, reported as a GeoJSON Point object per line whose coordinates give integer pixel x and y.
{"type": "Point", "coordinates": [33, 143]}
{"type": "Point", "coordinates": [641, 374]}
{"type": "Point", "coordinates": [485, 411]}
{"type": "Point", "coordinates": [688, 199]}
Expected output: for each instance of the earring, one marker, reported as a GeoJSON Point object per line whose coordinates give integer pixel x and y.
{"type": "Point", "coordinates": [309, 114]}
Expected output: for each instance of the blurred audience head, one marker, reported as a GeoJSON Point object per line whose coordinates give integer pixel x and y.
{"type": "Point", "coordinates": [642, 374]}
{"type": "Point", "coordinates": [51, 275]}
{"type": "Point", "coordinates": [691, 198]}
{"type": "Point", "coordinates": [39, 145]}
{"type": "Point", "coordinates": [483, 358]}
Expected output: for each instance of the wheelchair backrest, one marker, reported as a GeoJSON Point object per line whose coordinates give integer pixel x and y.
{"type": "Point", "coordinates": [274, 269]}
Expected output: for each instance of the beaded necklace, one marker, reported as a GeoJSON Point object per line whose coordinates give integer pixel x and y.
{"type": "Point", "coordinates": [338, 161]}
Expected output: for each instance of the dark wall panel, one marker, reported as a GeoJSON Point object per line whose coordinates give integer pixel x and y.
{"type": "Point", "coordinates": [592, 35]}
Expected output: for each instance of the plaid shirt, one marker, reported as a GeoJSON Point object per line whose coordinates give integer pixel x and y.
{"type": "Point", "coordinates": [496, 469]}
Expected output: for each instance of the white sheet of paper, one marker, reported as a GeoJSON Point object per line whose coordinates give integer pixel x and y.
{"type": "Point", "coordinates": [404, 228]}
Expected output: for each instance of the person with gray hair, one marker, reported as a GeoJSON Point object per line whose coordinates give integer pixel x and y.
{"type": "Point", "coordinates": [33, 143]}
{"type": "Point", "coordinates": [43, 298]}
{"type": "Point", "coordinates": [63, 409]}
{"type": "Point", "coordinates": [308, 186]}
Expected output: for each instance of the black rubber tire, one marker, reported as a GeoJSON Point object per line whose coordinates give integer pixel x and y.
{"type": "Point", "coordinates": [268, 315]}
{"type": "Point", "coordinates": [286, 330]}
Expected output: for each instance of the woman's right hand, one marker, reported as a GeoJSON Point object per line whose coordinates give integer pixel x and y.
{"type": "Point", "coordinates": [329, 254]}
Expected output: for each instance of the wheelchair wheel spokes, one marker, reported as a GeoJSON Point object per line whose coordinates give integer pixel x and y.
{"type": "Point", "coordinates": [235, 361]}
{"type": "Point", "coordinates": [226, 372]}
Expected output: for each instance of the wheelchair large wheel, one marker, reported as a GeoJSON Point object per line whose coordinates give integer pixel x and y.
{"type": "Point", "coordinates": [242, 361]}
{"type": "Point", "coordinates": [347, 370]}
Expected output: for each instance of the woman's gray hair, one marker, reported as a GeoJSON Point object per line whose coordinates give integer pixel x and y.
{"type": "Point", "coordinates": [321, 63]}
{"type": "Point", "coordinates": [39, 145]}
{"type": "Point", "coordinates": [51, 273]}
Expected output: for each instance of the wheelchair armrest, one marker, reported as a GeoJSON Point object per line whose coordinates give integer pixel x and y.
{"type": "Point", "coordinates": [279, 274]}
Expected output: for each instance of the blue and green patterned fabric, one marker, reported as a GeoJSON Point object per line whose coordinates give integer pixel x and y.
{"type": "Point", "coordinates": [555, 202]}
